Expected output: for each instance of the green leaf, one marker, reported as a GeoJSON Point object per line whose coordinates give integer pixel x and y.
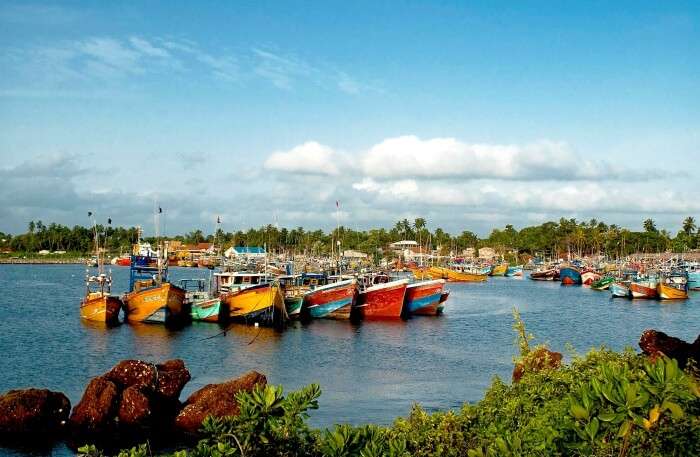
{"type": "Point", "coordinates": [578, 411]}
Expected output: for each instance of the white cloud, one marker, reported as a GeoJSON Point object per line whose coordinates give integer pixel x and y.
{"type": "Point", "coordinates": [146, 48]}
{"type": "Point", "coordinates": [310, 158]}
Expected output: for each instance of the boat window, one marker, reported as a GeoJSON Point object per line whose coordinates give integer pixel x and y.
{"type": "Point", "coordinates": [254, 279]}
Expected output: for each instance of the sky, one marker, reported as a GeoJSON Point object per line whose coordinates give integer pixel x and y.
{"type": "Point", "coordinates": [472, 115]}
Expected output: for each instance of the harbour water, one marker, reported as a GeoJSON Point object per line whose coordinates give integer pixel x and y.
{"type": "Point", "coordinates": [369, 372]}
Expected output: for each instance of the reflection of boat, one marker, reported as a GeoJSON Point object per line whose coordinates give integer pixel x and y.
{"type": "Point", "coordinates": [383, 300]}
{"type": "Point", "coordinates": [151, 298]}
{"type": "Point", "coordinates": [423, 297]}
{"type": "Point", "coordinates": [261, 303]}
{"type": "Point", "coordinates": [333, 300]}
{"type": "Point", "coordinates": [620, 288]}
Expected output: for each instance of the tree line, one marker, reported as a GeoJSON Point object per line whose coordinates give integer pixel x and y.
{"type": "Point", "coordinates": [552, 238]}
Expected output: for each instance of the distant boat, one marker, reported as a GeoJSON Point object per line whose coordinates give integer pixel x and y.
{"type": "Point", "coordinates": [99, 305]}
{"type": "Point", "coordinates": [602, 283]}
{"type": "Point", "coordinates": [644, 288]}
{"type": "Point", "coordinates": [382, 301]}
{"type": "Point", "coordinates": [499, 270]}
{"type": "Point", "coordinates": [204, 307]}
{"type": "Point", "coordinates": [570, 275]}
{"type": "Point", "coordinates": [453, 275]}
{"type": "Point", "coordinates": [620, 288]}
{"type": "Point", "coordinates": [262, 304]}
{"type": "Point", "coordinates": [514, 271]}
{"type": "Point", "coordinates": [423, 297]}
{"type": "Point", "coordinates": [694, 278]}
{"type": "Point", "coordinates": [673, 287]}
{"type": "Point", "coordinates": [151, 298]}
{"type": "Point", "coordinates": [544, 275]}
{"type": "Point", "coordinates": [334, 300]}
{"type": "Point", "coordinates": [588, 277]}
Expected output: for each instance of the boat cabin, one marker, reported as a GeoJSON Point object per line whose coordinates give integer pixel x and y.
{"type": "Point", "coordinates": [225, 282]}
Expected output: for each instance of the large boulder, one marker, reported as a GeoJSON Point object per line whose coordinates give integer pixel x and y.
{"type": "Point", "coordinates": [33, 411]}
{"type": "Point", "coordinates": [134, 407]}
{"type": "Point", "coordinates": [538, 360]}
{"type": "Point", "coordinates": [218, 400]}
{"type": "Point", "coordinates": [172, 377]}
{"type": "Point", "coordinates": [129, 373]}
{"type": "Point", "coordinates": [657, 344]}
{"type": "Point", "coordinates": [97, 408]}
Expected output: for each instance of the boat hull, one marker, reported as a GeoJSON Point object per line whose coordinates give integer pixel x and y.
{"type": "Point", "coordinates": [207, 310]}
{"type": "Point", "coordinates": [262, 304]}
{"type": "Point", "coordinates": [589, 277]}
{"type": "Point", "coordinates": [499, 270]}
{"type": "Point", "coordinates": [667, 292]}
{"type": "Point", "coordinates": [293, 306]}
{"type": "Point", "coordinates": [159, 304]}
{"type": "Point", "coordinates": [547, 275]}
{"type": "Point", "coordinates": [383, 301]}
{"type": "Point", "coordinates": [101, 307]}
{"type": "Point", "coordinates": [602, 284]}
{"type": "Point", "coordinates": [423, 298]}
{"type": "Point", "coordinates": [331, 301]}
{"type": "Point", "coordinates": [643, 290]}
{"type": "Point", "coordinates": [455, 276]}
{"type": "Point", "coordinates": [619, 290]}
{"type": "Point", "coordinates": [514, 272]}
{"type": "Point", "coordinates": [570, 276]}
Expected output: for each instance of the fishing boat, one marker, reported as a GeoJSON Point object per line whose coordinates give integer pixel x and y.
{"type": "Point", "coordinates": [443, 298]}
{"type": "Point", "coordinates": [570, 275]}
{"type": "Point", "coordinates": [151, 298]}
{"type": "Point", "coordinates": [293, 291]}
{"type": "Point", "coordinates": [620, 288]}
{"type": "Point", "coordinates": [588, 277]}
{"type": "Point", "coordinates": [499, 270]}
{"type": "Point", "coordinates": [644, 288]}
{"type": "Point", "coordinates": [516, 271]}
{"type": "Point", "coordinates": [451, 275]}
{"type": "Point", "coordinates": [693, 272]}
{"type": "Point", "coordinates": [544, 275]}
{"type": "Point", "coordinates": [333, 300]}
{"type": "Point", "coordinates": [382, 301]}
{"type": "Point", "coordinates": [262, 304]}
{"type": "Point", "coordinates": [99, 304]}
{"type": "Point", "coordinates": [602, 283]}
{"type": "Point", "coordinates": [204, 306]}
{"type": "Point", "coordinates": [486, 270]}
{"type": "Point", "coordinates": [673, 287]}
{"type": "Point", "coordinates": [423, 297]}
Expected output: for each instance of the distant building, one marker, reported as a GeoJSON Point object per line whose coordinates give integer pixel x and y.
{"type": "Point", "coordinates": [401, 245]}
{"type": "Point", "coordinates": [487, 253]}
{"type": "Point", "coordinates": [350, 254]}
{"type": "Point", "coordinates": [245, 252]}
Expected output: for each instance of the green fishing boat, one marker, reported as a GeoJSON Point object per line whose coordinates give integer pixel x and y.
{"type": "Point", "coordinates": [603, 283]}
{"type": "Point", "coordinates": [293, 305]}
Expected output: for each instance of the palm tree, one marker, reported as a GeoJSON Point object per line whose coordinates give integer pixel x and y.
{"type": "Point", "coordinates": [689, 225]}
{"type": "Point", "coordinates": [650, 226]}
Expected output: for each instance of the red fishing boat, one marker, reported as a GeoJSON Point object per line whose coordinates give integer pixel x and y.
{"type": "Point", "coordinates": [382, 301]}
{"type": "Point", "coordinates": [334, 300]}
{"type": "Point", "coordinates": [643, 289]}
{"type": "Point", "coordinates": [423, 297]}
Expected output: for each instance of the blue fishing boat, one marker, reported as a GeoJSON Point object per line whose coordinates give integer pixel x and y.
{"type": "Point", "coordinates": [570, 275]}
{"type": "Point", "coordinates": [514, 271]}
{"type": "Point", "coordinates": [694, 279]}
{"type": "Point", "coordinates": [620, 289]}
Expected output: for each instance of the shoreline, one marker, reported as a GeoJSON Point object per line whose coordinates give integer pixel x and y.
{"type": "Point", "coordinates": [72, 261]}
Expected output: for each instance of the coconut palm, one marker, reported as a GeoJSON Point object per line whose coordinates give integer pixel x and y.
{"type": "Point", "coordinates": [689, 225]}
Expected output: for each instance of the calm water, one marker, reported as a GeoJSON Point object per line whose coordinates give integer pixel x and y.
{"type": "Point", "coordinates": [371, 372]}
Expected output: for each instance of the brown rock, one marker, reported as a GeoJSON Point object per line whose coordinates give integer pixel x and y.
{"type": "Point", "coordinates": [540, 359]}
{"type": "Point", "coordinates": [33, 411]}
{"type": "Point", "coordinates": [172, 377]}
{"type": "Point", "coordinates": [96, 410]}
{"type": "Point", "coordinates": [134, 407]}
{"type": "Point", "coordinates": [656, 344]}
{"type": "Point", "coordinates": [217, 400]}
{"type": "Point", "coordinates": [129, 373]}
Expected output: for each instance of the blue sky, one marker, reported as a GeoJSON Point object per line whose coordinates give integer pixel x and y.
{"type": "Point", "coordinates": [472, 114]}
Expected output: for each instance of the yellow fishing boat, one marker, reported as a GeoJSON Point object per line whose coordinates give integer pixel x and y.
{"type": "Point", "coordinates": [455, 276]}
{"type": "Point", "coordinates": [262, 304]}
{"type": "Point", "coordinates": [101, 307]}
{"type": "Point", "coordinates": [499, 270]}
{"type": "Point", "coordinates": [155, 303]}
{"type": "Point", "coordinates": [669, 292]}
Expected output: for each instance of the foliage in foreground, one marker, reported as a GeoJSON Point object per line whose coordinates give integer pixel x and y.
{"type": "Point", "coordinates": [603, 404]}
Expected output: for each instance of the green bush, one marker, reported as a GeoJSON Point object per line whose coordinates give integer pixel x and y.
{"type": "Point", "coordinates": [602, 404]}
